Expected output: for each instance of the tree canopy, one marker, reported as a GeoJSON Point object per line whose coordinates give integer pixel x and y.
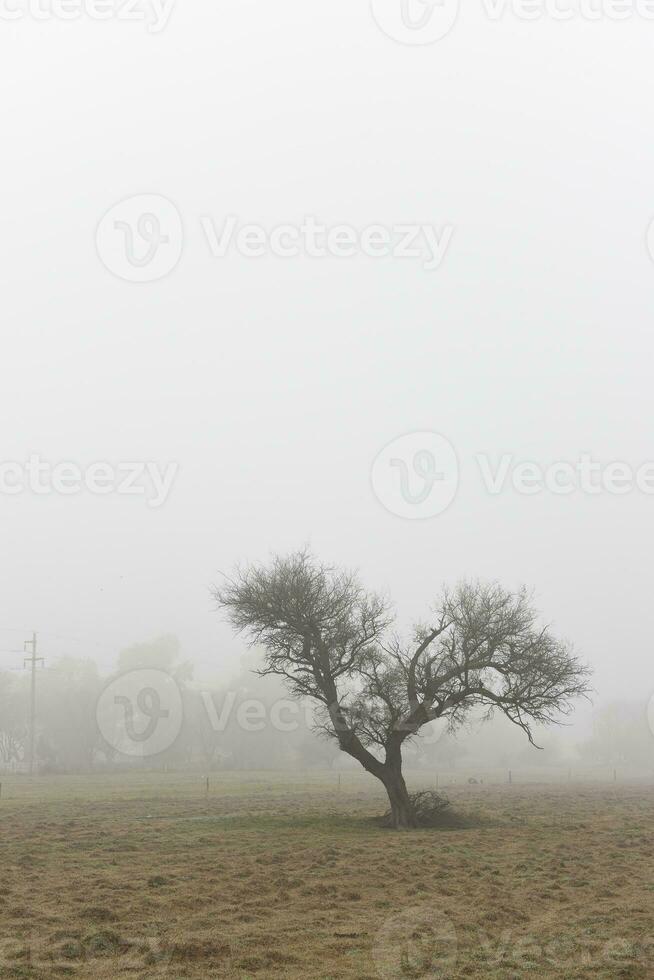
{"type": "Point", "coordinates": [332, 641]}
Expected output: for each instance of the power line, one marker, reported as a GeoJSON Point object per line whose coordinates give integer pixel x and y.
{"type": "Point", "coordinates": [32, 661]}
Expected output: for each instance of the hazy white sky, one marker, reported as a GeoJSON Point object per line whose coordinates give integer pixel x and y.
{"type": "Point", "coordinates": [274, 383]}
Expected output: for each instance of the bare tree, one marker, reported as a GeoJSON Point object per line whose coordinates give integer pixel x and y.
{"type": "Point", "coordinates": [329, 639]}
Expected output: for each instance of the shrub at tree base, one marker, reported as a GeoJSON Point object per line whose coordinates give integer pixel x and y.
{"type": "Point", "coordinates": [429, 809]}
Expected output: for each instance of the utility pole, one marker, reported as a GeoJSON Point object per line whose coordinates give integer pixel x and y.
{"type": "Point", "coordinates": [32, 661]}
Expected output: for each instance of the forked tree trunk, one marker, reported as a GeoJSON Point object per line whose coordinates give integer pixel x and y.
{"type": "Point", "coordinates": [402, 815]}
{"type": "Point", "coordinates": [388, 772]}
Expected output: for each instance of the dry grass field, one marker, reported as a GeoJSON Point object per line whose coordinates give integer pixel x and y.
{"type": "Point", "coordinates": [280, 876]}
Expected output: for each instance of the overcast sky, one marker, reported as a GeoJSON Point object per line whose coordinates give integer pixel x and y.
{"type": "Point", "coordinates": [273, 383]}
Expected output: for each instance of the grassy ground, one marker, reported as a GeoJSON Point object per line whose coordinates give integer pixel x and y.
{"type": "Point", "coordinates": [280, 876]}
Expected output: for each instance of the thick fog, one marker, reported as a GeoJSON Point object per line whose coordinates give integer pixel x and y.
{"type": "Point", "coordinates": [490, 290]}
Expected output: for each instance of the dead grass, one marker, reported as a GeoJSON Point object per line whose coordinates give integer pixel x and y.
{"type": "Point", "coordinates": [276, 878]}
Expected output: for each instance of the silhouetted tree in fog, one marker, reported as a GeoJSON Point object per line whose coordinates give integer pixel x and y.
{"type": "Point", "coordinates": [329, 639]}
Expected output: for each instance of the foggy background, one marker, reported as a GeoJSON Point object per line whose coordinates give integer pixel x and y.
{"type": "Point", "coordinates": [274, 383]}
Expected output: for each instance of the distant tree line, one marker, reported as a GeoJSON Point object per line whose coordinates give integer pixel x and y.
{"type": "Point", "coordinates": [214, 737]}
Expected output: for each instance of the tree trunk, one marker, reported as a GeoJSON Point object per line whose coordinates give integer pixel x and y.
{"type": "Point", "coordinates": [402, 816]}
